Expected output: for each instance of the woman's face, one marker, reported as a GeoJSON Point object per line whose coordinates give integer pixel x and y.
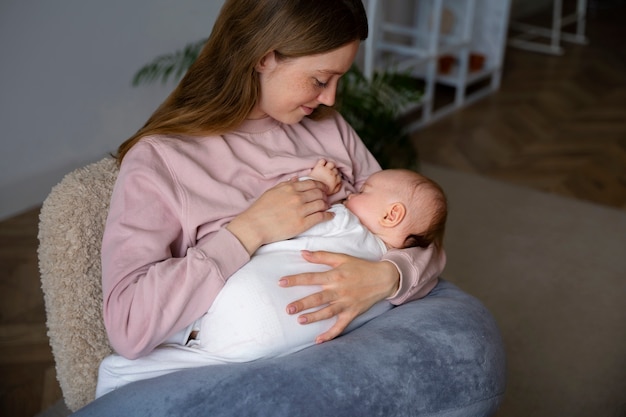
{"type": "Point", "coordinates": [293, 88]}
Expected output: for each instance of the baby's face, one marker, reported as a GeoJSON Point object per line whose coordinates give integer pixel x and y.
{"type": "Point", "coordinates": [370, 202]}
{"type": "Point", "coordinates": [384, 189]}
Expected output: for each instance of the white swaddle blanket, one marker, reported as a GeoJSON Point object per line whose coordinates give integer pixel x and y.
{"type": "Point", "coordinates": [247, 320]}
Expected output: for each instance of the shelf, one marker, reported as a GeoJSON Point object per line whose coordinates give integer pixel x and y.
{"type": "Point", "coordinates": [439, 28]}
{"type": "Point", "coordinates": [452, 79]}
{"type": "Point", "coordinates": [527, 35]}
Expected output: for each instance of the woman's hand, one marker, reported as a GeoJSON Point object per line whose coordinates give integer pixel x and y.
{"type": "Point", "coordinates": [282, 212]}
{"type": "Point", "coordinates": [349, 289]}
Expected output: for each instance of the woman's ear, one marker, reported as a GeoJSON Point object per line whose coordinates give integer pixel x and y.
{"type": "Point", "coordinates": [268, 62]}
{"type": "Point", "coordinates": [394, 215]}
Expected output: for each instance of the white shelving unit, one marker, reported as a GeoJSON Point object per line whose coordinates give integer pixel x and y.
{"type": "Point", "coordinates": [457, 29]}
{"type": "Point", "coordinates": [527, 34]}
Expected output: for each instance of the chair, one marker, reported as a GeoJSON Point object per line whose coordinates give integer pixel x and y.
{"type": "Point", "coordinates": [71, 223]}
{"type": "Point", "coordinates": [442, 355]}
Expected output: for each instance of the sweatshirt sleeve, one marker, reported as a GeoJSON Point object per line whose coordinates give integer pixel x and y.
{"type": "Point", "coordinates": [150, 291]}
{"type": "Point", "coordinates": [419, 271]}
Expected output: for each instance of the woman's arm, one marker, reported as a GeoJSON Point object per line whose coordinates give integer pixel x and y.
{"type": "Point", "coordinates": [354, 285]}
{"type": "Point", "coordinates": [157, 279]}
{"type": "Point", "coordinates": [419, 269]}
{"type": "Point", "coordinates": [282, 212]}
{"type": "Point", "coordinates": [158, 276]}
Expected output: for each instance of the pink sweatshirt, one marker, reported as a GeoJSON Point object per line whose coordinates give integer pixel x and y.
{"type": "Point", "coordinates": [166, 253]}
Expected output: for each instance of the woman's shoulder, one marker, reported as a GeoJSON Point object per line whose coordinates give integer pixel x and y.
{"type": "Point", "coordinates": [169, 142]}
{"type": "Point", "coordinates": [164, 146]}
{"type": "Point", "coordinates": [159, 157]}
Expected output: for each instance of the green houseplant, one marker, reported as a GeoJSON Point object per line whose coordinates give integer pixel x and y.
{"type": "Point", "coordinates": [372, 106]}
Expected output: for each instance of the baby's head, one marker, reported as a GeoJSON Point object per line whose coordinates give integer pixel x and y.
{"type": "Point", "coordinates": [402, 207]}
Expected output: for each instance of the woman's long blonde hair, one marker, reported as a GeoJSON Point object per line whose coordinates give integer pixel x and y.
{"type": "Point", "coordinates": [221, 87]}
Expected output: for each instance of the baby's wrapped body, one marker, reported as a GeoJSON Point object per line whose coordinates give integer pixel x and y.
{"type": "Point", "coordinates": [247, 320]}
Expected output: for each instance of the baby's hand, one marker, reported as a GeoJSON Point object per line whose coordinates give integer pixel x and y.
{"type": "Point", "coordinates": [327, 173]}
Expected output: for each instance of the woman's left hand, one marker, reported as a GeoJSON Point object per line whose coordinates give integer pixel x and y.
{"type": "Point", "coordinates": [348, 290]}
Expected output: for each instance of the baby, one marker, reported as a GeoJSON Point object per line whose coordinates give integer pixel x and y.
{"type": "Point", "coordinates": [403, 208]}
{"type": "Point", "coordinates": [247, 320]}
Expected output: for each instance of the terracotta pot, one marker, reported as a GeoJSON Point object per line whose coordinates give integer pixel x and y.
{"type": "Point", "coordinates": [476, 62]}
{"type": "Point", "coordinates": [445, 64]}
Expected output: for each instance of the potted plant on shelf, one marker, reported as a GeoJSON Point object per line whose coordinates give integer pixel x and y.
{"type": "Point", "coordinates": [372, 106]}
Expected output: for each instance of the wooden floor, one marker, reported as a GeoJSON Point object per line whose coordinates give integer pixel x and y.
{"type": "Point", "coordinates": [28, 381]}
{"type": "Point", "coordinates": [558, 124]}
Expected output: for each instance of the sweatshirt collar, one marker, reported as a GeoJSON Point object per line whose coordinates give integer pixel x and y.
{"type": "Point", "coordinates": [257, 125]}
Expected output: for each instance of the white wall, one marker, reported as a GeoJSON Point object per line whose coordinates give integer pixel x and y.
{"type": "Point", "coordinates": [65, 72]}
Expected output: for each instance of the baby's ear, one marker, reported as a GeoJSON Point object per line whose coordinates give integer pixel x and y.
{"type": "Point", "coordinates": [394, 214]}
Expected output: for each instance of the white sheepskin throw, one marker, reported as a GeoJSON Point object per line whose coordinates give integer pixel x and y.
{"type": "Point", "coordinates": [71, 224]}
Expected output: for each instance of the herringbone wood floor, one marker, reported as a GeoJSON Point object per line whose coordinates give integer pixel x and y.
{"type": "Point", "coordinates": [558, 124]}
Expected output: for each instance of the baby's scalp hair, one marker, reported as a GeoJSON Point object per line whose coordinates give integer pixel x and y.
{"type": "Point", "coordinates": [221, 87]}
{"type": "Point", "coordinates": [420, 188]}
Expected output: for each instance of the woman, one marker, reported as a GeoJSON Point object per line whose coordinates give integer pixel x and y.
{"type": "Point", "coordinates": [210, 178]}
